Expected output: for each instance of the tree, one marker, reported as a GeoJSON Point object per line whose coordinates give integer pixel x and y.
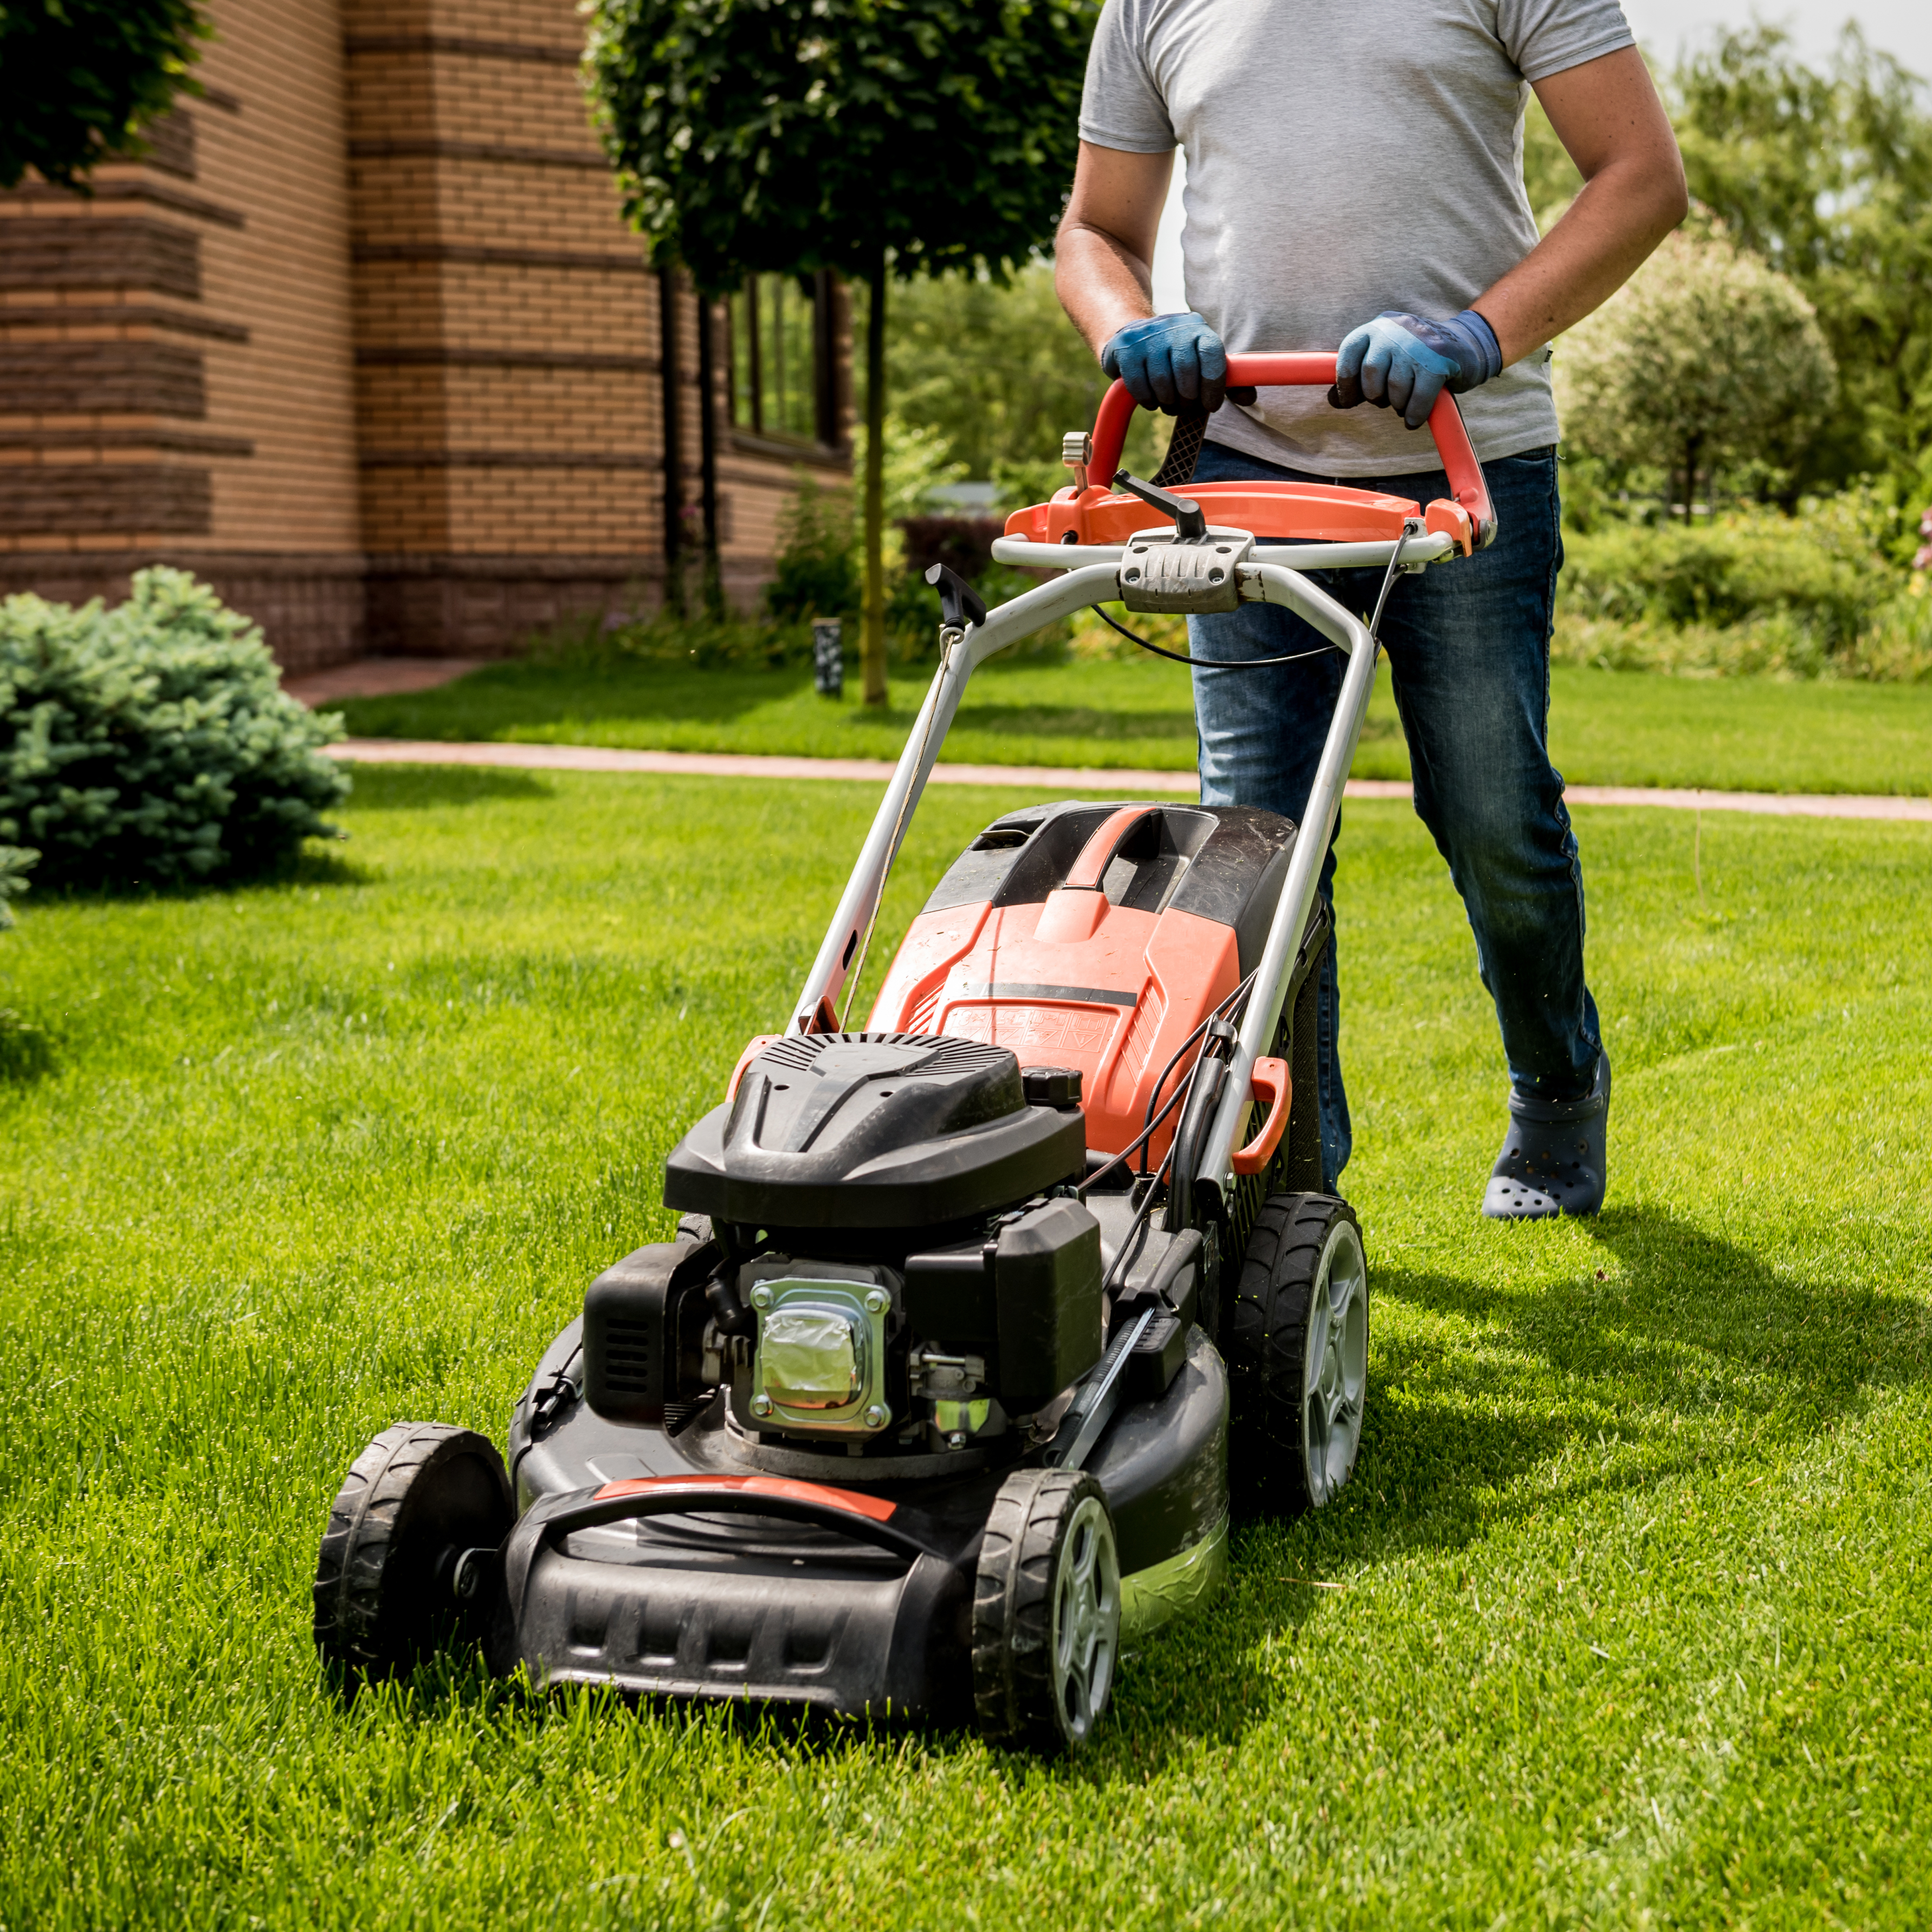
{"type": "Point", "coordinates": [83, 76]}
{"type": "Point", "coordinates": [1828, 176]}
{"type": "Point", "coordinates": [871, 137]}
{"type": "Point", "coordinates": [1000, 414]}
{"type": "Point", "coordinates": [1706, 358]}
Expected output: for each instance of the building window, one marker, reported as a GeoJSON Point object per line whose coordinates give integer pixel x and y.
{"type": "Point", "coordinates": [783, 375]}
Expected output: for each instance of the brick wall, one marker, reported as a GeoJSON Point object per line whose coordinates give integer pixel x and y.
{"type": "Point", "coordinates": [175, 378]}
{"type": "Point", "coordinates": [367, 342]}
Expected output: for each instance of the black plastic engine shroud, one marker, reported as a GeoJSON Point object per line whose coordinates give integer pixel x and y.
{"type": "Point", "coordinates": [873, 1131]}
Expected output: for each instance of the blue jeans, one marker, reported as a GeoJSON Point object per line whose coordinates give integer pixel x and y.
{"type": "Point", "coordinates": [1468, 649]}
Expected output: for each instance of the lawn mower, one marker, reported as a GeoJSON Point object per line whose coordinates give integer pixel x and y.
{"type": "Point", "coordinates": [928, 1408]}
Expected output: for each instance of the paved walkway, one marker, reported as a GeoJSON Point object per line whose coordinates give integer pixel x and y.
{"type": "Point", "coordinates": [1056, 778]}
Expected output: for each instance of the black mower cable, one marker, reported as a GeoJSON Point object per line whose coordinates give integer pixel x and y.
{"type": "Point", "coordinates": [1230, 1009]}
{"type": "Point", "coordinates": [1135, 1145]}
{"type": "Point", "coordinates": [1153, 1121]}
{"type": "Point", "coordinates": [1212, 663]}
{"type": "Point", "coordinates": [1263, 663]}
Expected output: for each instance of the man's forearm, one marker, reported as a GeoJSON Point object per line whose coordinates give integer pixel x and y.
{"type": "Point", "coordinates": [1101, 283]}
{"type": "Point", "coordinates": [1608, 230]}
{"type": "Point", "coordinates": [1103, 255]}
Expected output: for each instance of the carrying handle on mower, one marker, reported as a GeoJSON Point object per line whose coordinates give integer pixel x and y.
{"type": "Point", "coordinates": [1310, 371]}
{"type": "Point", "coordinates": [1269, 1081]}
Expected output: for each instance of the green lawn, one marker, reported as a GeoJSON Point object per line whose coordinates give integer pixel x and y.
{"type": "Point", "coordinates": [1607, 727]}
{"type": "Point", "coordinates": [1621, 1624]}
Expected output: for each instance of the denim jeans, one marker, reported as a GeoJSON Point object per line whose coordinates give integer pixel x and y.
{"type": "Point", "coordinates": [1468, 643]}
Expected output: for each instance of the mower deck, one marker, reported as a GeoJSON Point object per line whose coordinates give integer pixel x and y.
{"type": "Point", "coordinates": [709, 1605]}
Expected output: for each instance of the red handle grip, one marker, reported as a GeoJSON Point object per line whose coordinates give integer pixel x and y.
{"type": "Point", "coordinates": [1269, 1082]}
{"type": "Point", "coordinates": [1310, 369]}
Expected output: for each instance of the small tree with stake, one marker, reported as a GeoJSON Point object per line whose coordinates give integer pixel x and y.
{"type": "Point", "coordinates": [866, 137]}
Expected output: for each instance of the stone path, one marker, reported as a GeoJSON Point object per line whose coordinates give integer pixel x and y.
{"type": "Point", "coordinates": [1058, 779]}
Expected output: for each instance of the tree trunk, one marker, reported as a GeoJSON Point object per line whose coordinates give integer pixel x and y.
{"type": "Point", "coordinates": [707, 454]}
{"type": "Point", "coordinates": [673, 463]}
{"type": "Point", "coordinates": [873, 650]}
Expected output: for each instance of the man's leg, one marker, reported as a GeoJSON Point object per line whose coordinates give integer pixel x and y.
{"type": "Point", "coordinates": [1468, 645]}
{"type": "Point", "coordinates": [1261, 735]}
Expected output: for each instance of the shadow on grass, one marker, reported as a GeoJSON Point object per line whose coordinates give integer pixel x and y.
{"type": "Point", "coordinates": [407, 787]}
{"type": "Point", "coordinates": [1585, 1381]}
{"type": "Point", "coordinates": [511, 697]}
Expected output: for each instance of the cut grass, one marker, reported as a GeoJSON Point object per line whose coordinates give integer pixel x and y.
{"type": "Point", "coordinates": [1606, 727]}
{"type": "Point", "coordinates": [1622, 1621]}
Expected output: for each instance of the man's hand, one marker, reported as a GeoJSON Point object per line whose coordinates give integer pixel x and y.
{"type": "Point", "coordinates": [1168, 360]}
{"type": "Point", "coordinates": [1404, 362]}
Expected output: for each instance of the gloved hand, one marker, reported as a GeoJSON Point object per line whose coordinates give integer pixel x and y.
{"type": "Point", "coordinates": [1404, 362]}
{"type": "Point", "coordinates": [1167, 360]}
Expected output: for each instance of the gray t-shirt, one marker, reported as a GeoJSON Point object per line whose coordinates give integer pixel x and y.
{"type": "Point", "coordinates": [1342, 159]}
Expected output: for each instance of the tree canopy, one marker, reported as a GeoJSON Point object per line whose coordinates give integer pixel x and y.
{"type": "Point", "coordinates": [1707, 357]}
{"type": "Point", "coordinates": [82, 77]}
{"type": "Point", "coordinates": [1828, 176]}
{"type": "Point", "coordinates": [865, 136]}
{"type": "Point", "coordinates": [788, 135]}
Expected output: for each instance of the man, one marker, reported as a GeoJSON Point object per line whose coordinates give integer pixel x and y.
{"type": "Point", "coordinates": [1354, 179]}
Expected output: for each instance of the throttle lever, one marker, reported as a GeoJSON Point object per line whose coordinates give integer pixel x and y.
{"type": "Point", "coordinates": [1190, 521]}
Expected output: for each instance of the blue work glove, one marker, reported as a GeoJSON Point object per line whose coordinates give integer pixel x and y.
{"type": "Point", "coordinates": [1404, 362]}
{"type": "Point", "coordinates": [1168, 360]}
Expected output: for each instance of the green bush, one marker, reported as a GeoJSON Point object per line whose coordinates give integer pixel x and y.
{"type": "Point", "coordinates": [15, 862]}
{"type": "Point", "coordinates": [817, 564]}
{"type": "Point", "coordinates": [152, 744]}
{"type": "Point", "coordinates": [1823, 574]}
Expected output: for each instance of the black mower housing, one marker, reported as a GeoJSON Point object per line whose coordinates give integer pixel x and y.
{"type": "Point", "coordinates": [872, 1131]}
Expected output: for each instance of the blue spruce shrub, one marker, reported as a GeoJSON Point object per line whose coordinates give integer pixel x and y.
{"type": "Point", "coordinates": [152, 744]}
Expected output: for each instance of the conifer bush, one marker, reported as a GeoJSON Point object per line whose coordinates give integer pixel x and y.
{"type": "Point", "coordinates": [151, 744]}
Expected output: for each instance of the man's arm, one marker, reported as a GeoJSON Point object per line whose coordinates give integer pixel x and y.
{"type": "Point", "coordinates": [1103, 255]}
{"type": "Point", "coordinates": [1606, 113]}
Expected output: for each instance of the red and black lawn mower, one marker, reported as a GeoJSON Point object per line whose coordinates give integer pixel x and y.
{"type": "Point", "coordinates": [928, 1408]}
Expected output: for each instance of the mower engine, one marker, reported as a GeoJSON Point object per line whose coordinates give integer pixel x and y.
{"type": "Point", "coordinates": [883, 1256]}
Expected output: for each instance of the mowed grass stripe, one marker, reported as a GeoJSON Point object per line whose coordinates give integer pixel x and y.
{"type": "Point", "coordinates": [1624, 1615]}
{"type": "Point", "coordinates": [1606, 727]}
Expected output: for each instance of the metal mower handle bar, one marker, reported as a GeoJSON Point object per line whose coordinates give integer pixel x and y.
{"type": "Point", "coordinates": [1309, 369]}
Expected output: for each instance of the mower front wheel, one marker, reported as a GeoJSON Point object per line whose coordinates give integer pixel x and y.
{"type": "Point", "coordinates": [407, 1560]}
{"type": "Point", "coordinates": [1298, 1355]}
{"type": "Point", "coordinates": [1046, 1612]}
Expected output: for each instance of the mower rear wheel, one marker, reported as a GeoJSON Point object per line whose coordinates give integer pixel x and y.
{"type": "Point", "coordinates": [1046, 1612]}
{"type": "Point", "coordinates": [404, 1565]}
{"type": "Point", "coordinates": [1298, 1355]}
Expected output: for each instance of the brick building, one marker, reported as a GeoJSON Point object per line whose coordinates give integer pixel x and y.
{"type": "Point", "coordinates": [365, 342]}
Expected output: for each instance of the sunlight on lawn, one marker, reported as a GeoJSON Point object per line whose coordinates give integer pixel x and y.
{"type": "Point", "coordinates": [1622, 1615]}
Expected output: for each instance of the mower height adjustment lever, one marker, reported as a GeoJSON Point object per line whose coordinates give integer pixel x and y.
{"type": "Point", "coordinates": [1190, 520]}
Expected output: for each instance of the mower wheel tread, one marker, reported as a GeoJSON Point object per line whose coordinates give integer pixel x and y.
{"type": "Point", "coordinates": [1013, 1693]}
{"type": "Point", "coordinates": [1267, 1340]}
{"type": "Point", "coordinates": [365, 1625]}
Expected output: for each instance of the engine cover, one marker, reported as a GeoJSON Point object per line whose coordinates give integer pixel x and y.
{"type": "Point", "coordinates": [873, 1131]}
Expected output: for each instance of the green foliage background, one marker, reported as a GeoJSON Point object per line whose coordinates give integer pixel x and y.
{"type": "Point", "coordinates": [799, 134]}
{"type": "Point", "coordinates": [79, 77]}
